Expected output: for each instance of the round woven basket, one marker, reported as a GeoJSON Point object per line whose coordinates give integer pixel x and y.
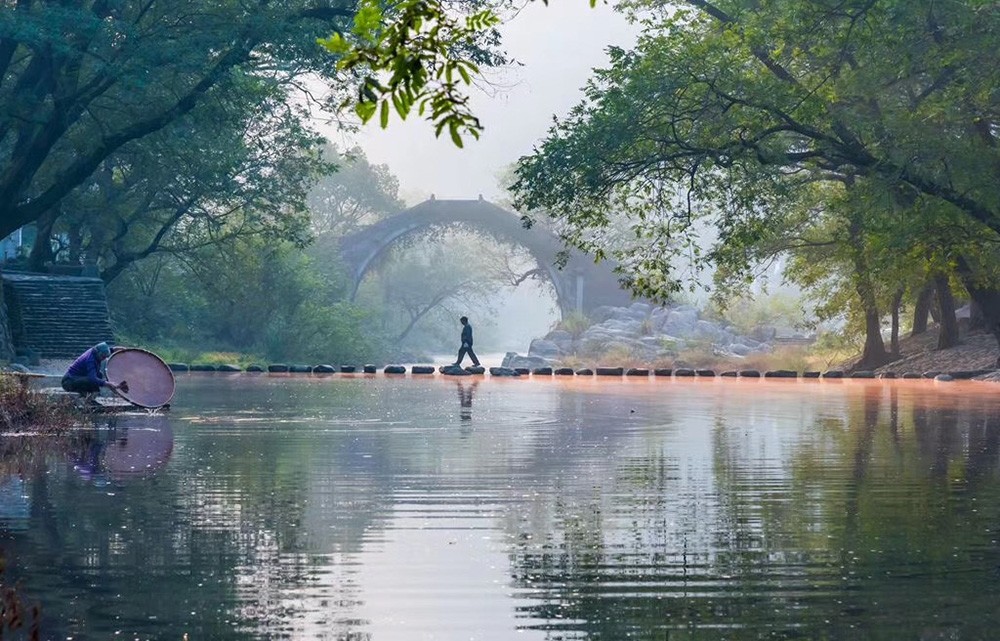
{"type": "Point", "coordinates": [150, 381]}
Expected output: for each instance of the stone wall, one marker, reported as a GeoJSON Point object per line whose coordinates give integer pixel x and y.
{"type": "Point", "coordinates": [52, 316]}
{"type": "Point", "coordinates": [6, 344]}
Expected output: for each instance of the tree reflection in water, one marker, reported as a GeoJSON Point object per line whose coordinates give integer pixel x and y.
{"type": "Point", "coordinates": [876, 523]}
{"type": "Point", "coordinates": [701, 510]}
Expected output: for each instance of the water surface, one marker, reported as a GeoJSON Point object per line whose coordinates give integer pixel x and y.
{"type": "Point", "coordinates": [408, 508]}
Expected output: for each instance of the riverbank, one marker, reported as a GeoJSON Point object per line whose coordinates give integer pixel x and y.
{"type": "Point", "coordinates": [977, 351]}
{"type": "Point", "coordinates": [22, 408]}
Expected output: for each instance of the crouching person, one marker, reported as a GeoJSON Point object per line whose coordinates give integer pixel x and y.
{"type": "Point", "coordinates": [86, 376]}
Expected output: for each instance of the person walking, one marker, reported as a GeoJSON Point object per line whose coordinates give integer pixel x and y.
{"type": "Point", "coordinates": [466, 347]}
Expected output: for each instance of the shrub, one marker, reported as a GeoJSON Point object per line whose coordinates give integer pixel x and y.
{"type": "Point", "coordinates": [22, 408]}
{"type": "Point", "coordinates": [576, 323]}
{"type": "Point", "coordinates": [620, 356]}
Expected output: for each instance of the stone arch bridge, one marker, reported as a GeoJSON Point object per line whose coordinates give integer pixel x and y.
{"type": "Point", "coordinates": [581, 285]}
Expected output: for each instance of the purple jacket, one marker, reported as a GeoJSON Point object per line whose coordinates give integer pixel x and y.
{"type": "Point", "coordinates": [87, 365]}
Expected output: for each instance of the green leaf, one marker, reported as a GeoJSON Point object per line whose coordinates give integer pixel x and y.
{"type": "Point", "coordinates": [455, 137]}
{"type": "Point", "coordinates": [365, 110]}
{"type": "Point", "coordinates": [335, 44]}
{"type": "Point", "coordinates": [401, 108]}
{"type": "Point", "coordinates": [384, 116]}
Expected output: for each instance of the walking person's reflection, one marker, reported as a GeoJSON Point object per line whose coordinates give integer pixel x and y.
{"type": "Point", "coordinates": [465, 393]}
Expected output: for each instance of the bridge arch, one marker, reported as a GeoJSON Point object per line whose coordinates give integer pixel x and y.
{"type": "Point", "coordinates": [580, 286]}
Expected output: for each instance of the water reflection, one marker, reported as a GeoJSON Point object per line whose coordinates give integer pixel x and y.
{"type": "Point", "coordinates": [303, 508]}
{"type": "Point", "coordinates": [465, 394]}
{"type": "Point", "coordinates": [123, 447]}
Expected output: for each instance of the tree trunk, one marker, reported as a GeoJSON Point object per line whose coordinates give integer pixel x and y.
{"type": "Point", "coordinates": [948, 329]}
{"type": "Point", "coordinates": [874, 354]}
{"type": "Point", "coordinates": [897, 301]}
{"type": "Point", "coordinates": [976, 318]}
{"type": "Point", "coordinates": [921, 309]}
{"type": "Point", "coordinates": [41, 251]}
{"type": "Point", "coordinates": [986, 297]}
{"type": "Point", "coordinates": [935, 307]}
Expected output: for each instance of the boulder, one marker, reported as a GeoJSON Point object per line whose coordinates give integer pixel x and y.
{"type": "Point", "coordinates": [610, 371]}
{"type": "Point", "coordinates": [781, 373]}
{"type": "Point", "coordinates": [602, 313]}
{"type": "Point", "coordinates": [347, 369]}
{"type": "Point", "coordinates": [422, 369]}
{"type": "Point", "coordinates": [179, 367]}
{"type": "Point", "coordinates": [300, 369]}
{"type": "Point", "coordinates": [641, 308]}
{"type": "Point", "coordinates": [749, 373]}
{"type": "Point", "coordinates": [369, 369]}
{"type": "Point", "coordinates": [739, 349]}
{"type": "Point", "coordinates": [514, 361]}
{"type": "Point", "coordinates": [229, 367]}
{"type": "Point", "coordinates": [637, 371]}
{"type": "Point", "coordinates": [476, 369]}
{"type": "Point", "coordinates": [202, 367]}
{"type": "Point", "coordinates": [969, 374]}
{"type": "Point", "coordinates": [324, 369]}
{"type": "Point", "coordinates": [453, 370]}
{"type": "Point", "coordinates": [584, 371]}
{"type": "Point", "coordinates": [542, 371]}
{"type": "Point", "coordinates": [255, 369]}
{"type": "Point", "coordinates": [564, 371]}
{"type": "Point", "coordinates": [706, 330]}
{"type": "Point", "coordinates": [503, 371]}
{"type": "Point", "coordinates": [559, 336]}
{"type": "Point", "coordinates": [542, 348]}
{"type": "Point", "coordinates": [277, 368]}
{"type": "Point", "coordinates": [680, 323]}
{"type": "Point", "coordinates": [394, 369]}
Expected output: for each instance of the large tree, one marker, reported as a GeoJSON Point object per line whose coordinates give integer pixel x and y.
{"type": "Point", "coordinates": [721, 101]}
{"type": "Point", "coordinates": [357, 194]}
{"type": "Point", "coordinates": [79, 80]}
{"type": "Point", "coordinates": [239, 164]}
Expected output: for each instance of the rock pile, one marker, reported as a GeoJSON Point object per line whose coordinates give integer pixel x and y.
{"type": "Point", "coordinates": [644, 333]}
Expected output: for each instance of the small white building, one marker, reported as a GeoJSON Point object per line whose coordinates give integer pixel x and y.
{"type": "Point", "coordinates": [10, 246]}
{"type": "Point", "coordinates": [17, 244]}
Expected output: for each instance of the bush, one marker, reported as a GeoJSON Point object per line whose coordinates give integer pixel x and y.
{"type": "Point", "coordinates": [22, 408]}
{"type": "Point", "coordinates": [576, 323]}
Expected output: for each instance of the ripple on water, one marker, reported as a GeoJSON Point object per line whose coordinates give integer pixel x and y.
{"type": "Point", "coordinates": [384, 508]}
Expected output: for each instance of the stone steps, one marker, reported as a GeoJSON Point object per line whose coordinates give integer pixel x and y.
{"type": "Point", "coordinates": [56, 316]}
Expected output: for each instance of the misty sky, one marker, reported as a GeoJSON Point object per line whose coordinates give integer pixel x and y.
{"type": "Point", "coordinates": [558, 45]}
